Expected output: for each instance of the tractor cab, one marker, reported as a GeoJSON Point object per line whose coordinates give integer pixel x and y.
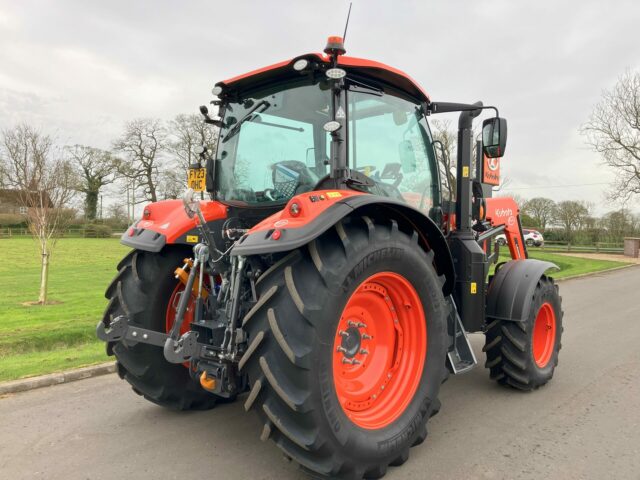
{"type": "Point", "coordinates": [319, 122]}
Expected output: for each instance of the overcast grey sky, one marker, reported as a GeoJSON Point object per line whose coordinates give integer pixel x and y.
{"type": "Point", "coordinates": [80, 69]}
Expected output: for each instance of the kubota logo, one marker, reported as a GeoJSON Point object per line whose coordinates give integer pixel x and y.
{"type": "Point", "coordinates": [493, 163]}
{"type": "Point", "coordinates": [504, 212]}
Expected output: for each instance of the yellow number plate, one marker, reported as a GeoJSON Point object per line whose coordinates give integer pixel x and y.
{"type": "Point", "coordinates": [197, 179]}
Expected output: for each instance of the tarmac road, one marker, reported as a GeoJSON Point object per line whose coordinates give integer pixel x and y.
{"type": "Point", "coordinates": [585, 424]}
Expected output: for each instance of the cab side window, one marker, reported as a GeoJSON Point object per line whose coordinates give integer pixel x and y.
{"type": "Point", "coordinates": [389, 142]}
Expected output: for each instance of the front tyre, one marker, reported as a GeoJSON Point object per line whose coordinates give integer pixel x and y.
{"type": "Point", "coordinates": [524, 355]}
{"type": "Point", "coordinates": [347, 349]}
{"type": "Point", "coordinates": [145, 291]}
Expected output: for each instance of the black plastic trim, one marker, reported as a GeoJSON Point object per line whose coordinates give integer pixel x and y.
{"type": "Point", "coordinates": [261, 242]}
{"type": "Point", "coordinates": [143, 239]}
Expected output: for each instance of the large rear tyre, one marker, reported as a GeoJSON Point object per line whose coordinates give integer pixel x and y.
{"type": "Point", "coordinates": [142, 290]}
{"type": "Point", "coordinates": [524, 355]}
{"type": "Point", "coordinates": [347, 349]}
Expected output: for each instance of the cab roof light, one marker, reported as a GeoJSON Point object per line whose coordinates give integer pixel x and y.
{"type": "Point", "coordinates": [335, 46]}
{"type": "Point", "coordinates": [300, 65]}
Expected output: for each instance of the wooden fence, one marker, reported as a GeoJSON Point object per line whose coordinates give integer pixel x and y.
{"type": "Point", "coordinates": [8, 232]}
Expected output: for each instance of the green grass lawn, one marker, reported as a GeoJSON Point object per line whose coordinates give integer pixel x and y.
{"type": "Point", "coordinates": [569, 266]}
{"type": "Point", "coordinates": [43, 339]}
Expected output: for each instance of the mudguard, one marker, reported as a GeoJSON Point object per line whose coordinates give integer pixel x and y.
{"type": "Point", "coordinates": [166, 223]}
{"type": "Point", "coordinates": [320, 210]}
{"type": "Point", "coordinates": [511, 289]}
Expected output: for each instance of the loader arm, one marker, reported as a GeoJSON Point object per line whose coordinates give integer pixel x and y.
{"type": "Point", "coordinates": [505, 211]}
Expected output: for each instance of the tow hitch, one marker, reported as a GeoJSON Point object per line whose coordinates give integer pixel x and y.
{"type": "Point", "coordinates": [213, 373]}
{"type": "Point", "coordinates": [187, 347]}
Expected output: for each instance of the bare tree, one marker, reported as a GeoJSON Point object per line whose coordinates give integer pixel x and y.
{"type": "Point", "coordinates": [171, 184]}
{"type": "Point", "coordinates": [142, 142]}
{"type": "Point", "coordinates": [116, 216]}
{"type": "Point", "coordinates": [541, 210]}
{"type": "Point", "coordinates": [3, 176]}
{"type": "Point", "coordinates": [96, 168]}
{"type": "Point", "coordinates": [188, 132]}
{"type": "Point", "coordinates": [613, 130]}
{"type": "Point", "coordinates": [619, 223]}
{"type": "Point", "coordinates": [570, 215]}
{"type": "Point", "coordinates": [443, 133]}
{"type": "Point", "coordinates": [44, 182]}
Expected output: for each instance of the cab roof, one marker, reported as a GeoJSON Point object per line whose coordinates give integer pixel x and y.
{"type": "Point", "coordinates": [368, 68]}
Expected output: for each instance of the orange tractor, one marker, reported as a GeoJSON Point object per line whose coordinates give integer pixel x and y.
{"type": "Point", "coordinates": [324, 279]}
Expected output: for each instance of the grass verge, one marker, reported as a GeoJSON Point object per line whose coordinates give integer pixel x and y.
{"type": "Point", "coordinates": [569, 266]}
{"type": "Point", "coordinates": [42, 339]}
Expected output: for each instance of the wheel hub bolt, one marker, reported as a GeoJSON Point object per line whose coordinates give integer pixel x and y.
{"type": "Point", "coordinates": [351, 361]}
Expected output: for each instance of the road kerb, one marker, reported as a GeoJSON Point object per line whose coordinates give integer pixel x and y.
{"type": "Point", "coordinates": [31, 383]}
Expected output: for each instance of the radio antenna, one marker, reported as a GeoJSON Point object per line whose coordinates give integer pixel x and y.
{"type": "Point", "coordinates": [344, 36]}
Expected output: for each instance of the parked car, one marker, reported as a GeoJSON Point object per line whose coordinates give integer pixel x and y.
{"type": "Point", "coordinates": [532, 238]}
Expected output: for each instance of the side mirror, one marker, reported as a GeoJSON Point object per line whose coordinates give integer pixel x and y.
{"type": "Point", "coordinates": [407, 156]}
{"type": "Point", "coordinates": [494, 137]}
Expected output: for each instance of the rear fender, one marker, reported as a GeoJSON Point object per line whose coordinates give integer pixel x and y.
{"type": "Point", "coordinates": [511, 289]}
{"type": "Point", "coordinates": [166, 223]}
{"type": "Point", "coordinates": [320, 210]}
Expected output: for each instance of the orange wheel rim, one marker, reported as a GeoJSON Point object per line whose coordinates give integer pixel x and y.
{"type": "Point", "coordinates": [544, 335]}
{"type": "Point", "coordinates": [172, 310]}
{"type": "Point", "coordinates": [379, 350]}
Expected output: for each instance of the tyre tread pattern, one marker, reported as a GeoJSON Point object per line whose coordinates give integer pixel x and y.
{"type": "Point", "coordinates": [132, 292]}
{"type": "Point", "coordinates": [279, 354]}
{"type": "Point", "coordinates": [508, 344]}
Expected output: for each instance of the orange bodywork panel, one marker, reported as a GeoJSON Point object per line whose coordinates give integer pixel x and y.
{"type": "Point", "coordinates": [505, 211]}
{"type": "Point", "coordinates": [169, 218]}
{"type": "Point", "coordinates": [310, 205]}
{"type": "Point", "coordinates": [343, 61]}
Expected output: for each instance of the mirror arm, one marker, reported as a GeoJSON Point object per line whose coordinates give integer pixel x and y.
{"type": "Point", "coordinates": [448, 107]}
